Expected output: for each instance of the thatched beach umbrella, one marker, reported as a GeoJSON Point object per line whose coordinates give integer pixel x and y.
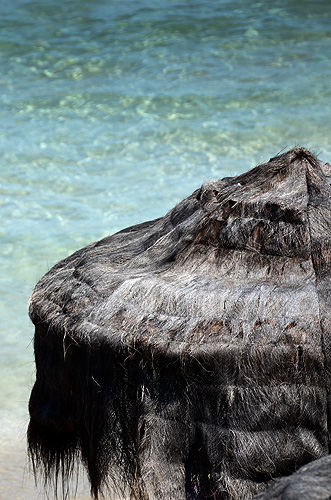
{"type": "Point", "coordinates": [189, 356]}
{"type": "Point", "coordinates": [310, 482]}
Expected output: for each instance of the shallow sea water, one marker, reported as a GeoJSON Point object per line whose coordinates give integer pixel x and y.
{"type": "Point", "coordinates": [111, 112]}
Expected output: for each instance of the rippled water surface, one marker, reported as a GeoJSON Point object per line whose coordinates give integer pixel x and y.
{"type": "Point", "coordinates": [112, 111]}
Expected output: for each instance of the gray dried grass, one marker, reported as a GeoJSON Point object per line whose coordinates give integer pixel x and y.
{"type": "Point", "coordinates": [189, 356]}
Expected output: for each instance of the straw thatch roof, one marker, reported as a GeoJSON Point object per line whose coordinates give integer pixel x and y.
{"type": "Point", "coordinates": [190, 355]}
{"type": "Point", "coordinates": [310, 482]}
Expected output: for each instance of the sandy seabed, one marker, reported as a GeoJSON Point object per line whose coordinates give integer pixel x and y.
{"type": "Point", "coordinates": [16, 479]}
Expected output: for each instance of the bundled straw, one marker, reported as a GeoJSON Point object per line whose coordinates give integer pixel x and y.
{"type": "Point", "coordinates": [189, 357]}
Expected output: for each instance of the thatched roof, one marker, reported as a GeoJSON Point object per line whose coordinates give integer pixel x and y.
{"type": "Point", "coordinates": [310, 482]}
{"type": "Point", "coordinates": [190, 355]}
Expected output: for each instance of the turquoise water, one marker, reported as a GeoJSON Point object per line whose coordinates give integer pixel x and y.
{"type": "Point", "coordinates": [113, 111]}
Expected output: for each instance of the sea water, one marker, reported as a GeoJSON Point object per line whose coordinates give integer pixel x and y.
{"type": "Point", "coordinates": [113, 111]}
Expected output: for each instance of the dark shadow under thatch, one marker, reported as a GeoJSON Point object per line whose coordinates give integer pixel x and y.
{"type": "Point", "coordinates": [189, 357]}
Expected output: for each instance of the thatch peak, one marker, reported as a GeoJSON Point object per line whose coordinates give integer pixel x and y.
{"type": "Point", "coordinates": [295, 166]}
